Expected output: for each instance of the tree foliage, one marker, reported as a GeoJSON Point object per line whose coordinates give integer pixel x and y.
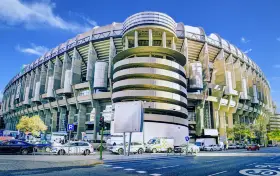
{"type": "Point", "coordinates": [32, 125]}
{"type": "Point", "coordinates": [274, 135]}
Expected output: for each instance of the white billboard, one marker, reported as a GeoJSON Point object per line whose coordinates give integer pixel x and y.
{"type": "Point", "coordinates": [128, 117]}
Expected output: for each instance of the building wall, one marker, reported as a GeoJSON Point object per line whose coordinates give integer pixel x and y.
{"type": "Point", "coordinates": [170, 66]}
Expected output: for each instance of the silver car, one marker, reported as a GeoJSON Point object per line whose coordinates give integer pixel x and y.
{"type": "Point", "coordinates": [77, 147]}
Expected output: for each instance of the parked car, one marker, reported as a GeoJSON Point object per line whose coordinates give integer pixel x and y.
{"type": "Point", "coordinates": [253, 147]}
{"type": "Point", "coordinates": [160, 144]}
{"type": "Point", "coordinates": [43, 145]}
{"type": "Point", "coordinates": [232, 146]}
{"type": "Point", "coordinates": [240, 146]}
{"type": "Point", "coordinates": [16, 146]}
{"type": "Point", "coordinates": [77, 147]}
{"type": "Point", "coordinates": [213, 147]}
{"type": "Point", "coordinates": [192, 148]}
{"type": "Point", "coordinates": [135, 147]}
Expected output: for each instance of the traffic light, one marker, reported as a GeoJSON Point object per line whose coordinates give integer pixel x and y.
{"type": "Point", "coordinates": [101, 122]}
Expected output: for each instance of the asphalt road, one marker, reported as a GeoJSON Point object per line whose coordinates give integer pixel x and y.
{"type": "Point", "coordinates": [172, 166]}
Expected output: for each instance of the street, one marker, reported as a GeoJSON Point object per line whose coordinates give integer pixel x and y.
{"type": "Point", "coordinates": [170, 165]}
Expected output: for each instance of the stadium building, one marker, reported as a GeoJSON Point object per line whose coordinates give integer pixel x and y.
{"type": "Point", "coordinates": [190, 83]}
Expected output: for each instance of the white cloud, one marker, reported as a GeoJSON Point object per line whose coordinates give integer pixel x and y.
{"type": "Point", "coordinates": [276, 66]}
{"type": "Point", "coordinates": [248, 50]}
{"type": "Point", "coordinates": [244, 40]}
{"type": "Point", "coordinates": [34, 49]}
{"type": "Point", "coordinates": [39, 14]}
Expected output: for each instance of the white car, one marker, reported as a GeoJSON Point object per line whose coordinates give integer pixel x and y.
{"type": "Point", "coordinates": [232, 146]}
{"type": "Point", "coordinates": [192, 148]}
{"type": "Point", "coordinates": [135, 147]}
{"type": "Point", "coordinates": [213, 148]}
{"type": "Point", "coordinates": [77, 147]}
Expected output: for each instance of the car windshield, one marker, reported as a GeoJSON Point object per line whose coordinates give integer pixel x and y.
{"type": "Point", "coordinates": [152, 141]}
{"type": "Point", "coordinates": [198, 143]}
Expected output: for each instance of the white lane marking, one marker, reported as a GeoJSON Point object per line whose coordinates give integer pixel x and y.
{"type": "Point", "coordinates": [167, 167]}
{"type": "Point", "coordinates": [155, 174]}
{"type": "Point", "coordinates": [251, 164]}
{"type": "Point", "coordinates": [141, 172]}
{"type": "Point", "coordinates": [217, 173]}
{"type": "Point", "coordinates": [117, 167]}
{"type": "Point", "coordinates": [107, 165]}
{"type": "Point", "coordinates": [211, 161]}
{"type": "Point", "coordinates": [129, 169]}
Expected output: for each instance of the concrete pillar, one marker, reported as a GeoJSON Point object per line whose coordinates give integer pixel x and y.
{"type": "Point", "coordinates": [164, 39]}
{"type": "Point", "coordinates": [42, 116]}
{"type": "Point", "coordinates": [150, 37]}
{"type": "Point", "coordinates": [230, 120]}
{"type": "Point", "coordinates": [199, 119]}
{"type": "Point", "coordinates": [62, 119]}
{"type": "Point", "coordinates": [92, 57]}
{"type": "Point", "coordinates": [96, 119]}
{"type": "Point", "coordinates": [48, 117]}
{"type": "Point", "coordinates": [76, 68]}
{"type": "Point", "coordinates": [27, 90]}
{"type": "Point", "coordinates": [222, 126]}
{"type": "Point", "coordinates": [36, 87]}
{"type": "Point", "coordinates": [125, 43]}
{"type": "Point", "coordinates": [31, 84]}
{"type": "Point", "coordinates": [49, 80]}
{"type": "Point", "coordinates": [173, 44]}
{"type": "Point", "coordinates": [81, 121]}
{"type": "Point", "coordinates": [72, 112]}
{"type": "Point", "coordinates": [65, 66]}
{"type": "Point", "coordinates": [112, 54]}
{"type": "Point", "coordinates": [54, 120]}
{"type": "Point", "coordinates": [57, 73]}
{"type": "Point", "coordinates": [43, 77]}
{"type": "Point", "coordinates": [135, 38]}
{"type": "Point", "coordinates": [216, 119]}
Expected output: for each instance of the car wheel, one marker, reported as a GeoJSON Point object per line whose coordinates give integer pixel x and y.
{"type": "Point", "coordinates": [154, 150]}
{"type": "Point", "coordinates": [211, 149]}
{"type": "Point", "coordinates": [61, 152]}
{"type": "Point", "coordinates": [169, 150]}
{"type": "Point", "coordinates": [140, 151]}
{"type": "Point", "coordinates": [86, 152]}
{"type": "Point", "coordinates": [120, 151]}
{"type": "Point", "coordinates": [24, 151]}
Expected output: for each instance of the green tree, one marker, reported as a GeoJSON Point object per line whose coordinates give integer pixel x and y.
{"type": "Point", "coordinates": [32, 125]}
{"type": "Point", "coordinates": [260, 128]}
{"type": "Point", "coordinates": [274, 135]}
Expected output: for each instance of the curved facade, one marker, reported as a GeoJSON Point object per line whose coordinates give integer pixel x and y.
{"type": "Point", "coordinates": [189, 82]}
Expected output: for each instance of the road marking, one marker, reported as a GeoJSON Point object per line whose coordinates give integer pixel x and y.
{"type": "Point", "coordinates": [155, 174]}
{"type": "Point", "coordinates": [167, 167]}
{"type": "Point", "coordinates": [129, 169]}
{"type": "Point", "coordinates": [217, 173]}
{"type": "Point", "coordinates": [117, 167]}
{"type": "Point", "coordinates": [107, 165]}
{"type": "Point", "coordinates": [251, 164]}
{"type": "Point", "coordinates": [211, 161]}
{"type": "Point", "coordinates": [141, 172]}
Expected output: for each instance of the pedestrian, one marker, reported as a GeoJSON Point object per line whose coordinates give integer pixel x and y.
{"type": "Point", "coordinates": [225, 146]}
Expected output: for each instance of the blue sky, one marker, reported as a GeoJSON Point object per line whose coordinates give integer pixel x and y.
{"type": "Point", "coordinates": [29, 28]}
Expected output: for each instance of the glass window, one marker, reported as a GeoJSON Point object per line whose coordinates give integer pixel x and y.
{"type": "Point", "coordinates": [156, 42]}
{"type": "Point", "coordinates": [82, 144]}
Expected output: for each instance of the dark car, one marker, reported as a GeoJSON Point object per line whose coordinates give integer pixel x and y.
{"type": "Point", "coordinates": [43, 145]}
{"type": "Point", "coordinates": [16, 146]}
{"type": "Point", "coordinates": [253, 147]}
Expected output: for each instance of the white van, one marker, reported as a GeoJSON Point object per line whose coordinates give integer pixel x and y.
{"type": "Point", "coordinates": [58, 136]}
{"type": "Point", "coordinates": [205, 142]}
{"type": "Point", "coordinates": [160, 144]}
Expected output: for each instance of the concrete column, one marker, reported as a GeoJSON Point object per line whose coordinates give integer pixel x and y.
{"type": "Point", "coordinates": [49, 79]}
{"type": "Point", "coordinates": [199, 119]}
{"type": "Point", "coordinates": [230, 120]}
{"type": "Point", "coordinates": [27, 90]}
{"type": "Point", "coordinates": [96, 119]}
{"type": "Point", "coordinates": [48, 117]}
{"type": "Point", "coordinates": [65, 66]}
{"type": "Point", "coordinates": [43, 77]}
{"type": "Point", "coordinates": [135, 38]}
{"type": "Point", "coordinates": [173, 44]}
{"type": "Point", "coordinates": [125, 43]}
{"type": "Point", "coordinates": [54, 120]}
{"type": "Point", "coordinates": [62, 119]}
{"type": "Point", "coordinates": [150, 37]}
{"type": "Point", "coordinates": [112, 54]}
{"type": "Point", "coordinates": [36, 87]}
{"type": "Point", "coordinates": [222, 126]}
{"type": "Point", "coordinates": [92, 57]}
{"type": "Point", "coordinates": [216, 119]}
{"type": "Point", "coordinates": [76, 68]}
{"type": "Point", "coordinates": [31, 84]}
{"type": "Point", "coordinates": [57, 73]}
{"type": "Point", "coordinates": [81, 121]}
{"type": "Point", "coordinates": [72, 112]}
{"type": "Point", "coordinates": [42, 116]}
{"type": "Point", "coordinates": [164, 39]}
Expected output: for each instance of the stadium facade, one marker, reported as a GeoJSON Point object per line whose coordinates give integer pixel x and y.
{"type": "Point", "coordinates": [190, 83]}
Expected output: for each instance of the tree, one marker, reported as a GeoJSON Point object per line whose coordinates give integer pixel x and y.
{"type": "Point", "coordinates": [260, 128]}
{"type": "Point", "coordinates": [32, 125]}
{"type": "Point", "coordinates": [274, 135]}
